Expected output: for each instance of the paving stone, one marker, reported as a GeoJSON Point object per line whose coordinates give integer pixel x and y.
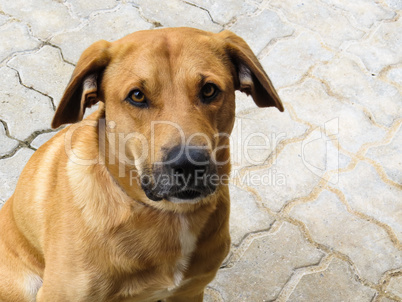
{"type": "Point", "coordinates": [45, 71]}
{"type": "Point", "coordinates": [41, 139]}
{"type": "Point", "coordinates": [364, 12]}
{"type": "Point", "coordinates": [366, 244]}
{"type": "Point", "coordinates": [395, 286]}
{"type": "Point", "coordinates": [346, 78]}
{"type": "Point", "coordinates": [333, 27]}
{"type": "Point", "coordinates": [3, 19]}
{"type": "Point", "coordinates": [10, 170]}
{"type": "Point", "coordinates": [367, 193]}
{"type": "Point", "coordinates": [320, 154]}
{"type": "Point", "coordinates": [395, 75]}
{"type": "Point", "coordinates": [84, 8]}
{"type": "Point", "coordinates": [211, 295]}
{"type": "Point", "coordinates": [389, 157]}
{"type": "Point", "coordinates": [103, 25]}
{"type": "Point", "coordinates": [243, 102]}
{"type": "Point", "coordinates": [327, 285]}
{"type": "Point", "coordinates": [175, 13]}
{"type": "Point", "coordinates": [395, 4]}
{"type": "Point", "coordinates": [14, 37]}
{"type": "Point", "coordinates": [261, 29]}
{"type": "Point", "coordinates": [6, 144]}
{"type": "Point", "coordinates": [246, 215]}
{"type": "Point", "coordinates": [260, 278]}
{"type": "Point", "coordinates": [289, 60]}
{"type": "Point", "coordinates": [257, 132]}
{"type": "Point", "coordinates": [225, 10]}
{"type": "Point", "coordinates": [385, 300]}
{"type": "Point", "coordinates": [45, 17]}
{"type": "Point", "coordinates": [382, 48]}
{"type": "Point", "coordinates": [18, 104]}
{"type": "Point", "coordinates": [288, 178]}
{"type": "Point", "coordinates": [314, 105]}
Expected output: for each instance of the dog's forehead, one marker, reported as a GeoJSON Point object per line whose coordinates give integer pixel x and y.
{"type": "Point", "coordinates": [170, 44]}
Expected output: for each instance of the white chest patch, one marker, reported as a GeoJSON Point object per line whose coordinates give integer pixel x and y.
{"type": "Point", "coordinates": [188, 242]}
{"type": "Point", "coordinates": [32, 285]}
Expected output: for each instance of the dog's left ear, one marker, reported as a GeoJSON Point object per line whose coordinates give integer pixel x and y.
{"type": "Point", "coordinates": [251, 77]}
{"type": "Point", "coordinates": [82, 90]}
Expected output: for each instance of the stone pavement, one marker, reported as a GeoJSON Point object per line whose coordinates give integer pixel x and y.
{"type": "Point", "coordinates": [316, 190]}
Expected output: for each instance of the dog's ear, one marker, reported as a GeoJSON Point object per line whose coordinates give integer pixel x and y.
{"type": "Point", "coordinates": [82, 90]}
{"type": "Point", "coordinates": [251, 77]}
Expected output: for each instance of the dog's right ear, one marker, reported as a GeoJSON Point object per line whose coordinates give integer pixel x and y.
{"type": "Point", "coordinates": [81, 91]}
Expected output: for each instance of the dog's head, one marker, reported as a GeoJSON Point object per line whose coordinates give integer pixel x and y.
{"type": "Point", "coordinates": [169, 95]}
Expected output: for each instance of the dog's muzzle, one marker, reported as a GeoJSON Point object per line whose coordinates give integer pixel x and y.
{"type": "Point", "coordinates": [187, 174]}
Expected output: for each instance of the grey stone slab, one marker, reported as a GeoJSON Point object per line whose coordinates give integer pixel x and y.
{"type": "Point", "coordinates": [84, 8]}
{"type": "Point", "coordinates": [289, 60]}
{"type": "Point", "coordinates": [246, 215]}
{"type": "Point", "coordinates": [44, 70]}
{"type": "Point", "coordinates": [261, 29]}
{"type": "Point", "coordinates": [258, 132]}
{"type": "Point", "coordinates": [266, 266]}
{"type": "Point", "coordinates": [108, 25]}
{"type": "Point", "coordinates": [395, 75]}
{"type": "Point", "coordinates": [364, 12]}
{"type": "Point", "coordinates": [348, 80]}
{"type": "Point", "coordinates": [313, 104]}
{"type": "Point", "coordinates": [6, 144]}
{"type": "Point", "coordinates": [175, 13]}
{"type": "Point", "coordinates": [389, 157]}
{"type": "Point", "coordinates": [333, 27]}
{"type": "Point", "coordinates": [366, 192]}
{"type": "Point", "coordinates": [385, 300]}
{"type": "Point", "coordinates": [225, 10]}
{"type": "Point", "coordinates": [382, 48]}
{"type": "Point", "coordinates": [41, 139]}
{"type": "Point", "coordinates": [366, 244]}
{"type": "Point", "coordinates": [288, 178]}
{"type": "Point", "coordinates": [3, 19]}
{"type": "Point", "coordinates": [395, 286]}
{"type": "Point", "coordinates": [14, 37]}
{"type": "Point", "coordinates": [320, 154]}
{"type": "Point", "coordinates": [336, 283]}
{"type": "Point", "coordinates": [24, 110]}
{"type": "Point", "coordinates": [394, 4]}
{"type": "Point", "coordinates": [10, 170]}
{"type": "Point", "coordinates": [45, 17]}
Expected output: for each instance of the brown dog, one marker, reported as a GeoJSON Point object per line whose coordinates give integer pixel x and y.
{"type": "Point", "coordinates": [132, 203]}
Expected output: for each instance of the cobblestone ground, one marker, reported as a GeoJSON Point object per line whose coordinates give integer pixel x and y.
{"type": "Point", "coordinates": [317, 212]}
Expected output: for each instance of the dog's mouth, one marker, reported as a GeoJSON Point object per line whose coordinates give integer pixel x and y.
{"type": "Point", "coordinates": [178, 195]}
{"type": "Point", "coordinates": [186, 194]}
{"type": "Point", "coordinates": [177, 192]}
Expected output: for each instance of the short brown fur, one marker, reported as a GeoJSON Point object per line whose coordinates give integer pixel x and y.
{"type": "Point", "coordinates": [76, 221]}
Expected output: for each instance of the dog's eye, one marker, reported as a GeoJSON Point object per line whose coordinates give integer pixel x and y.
{"type": "Point", "coordinates": [208, 92]}
{"type": "Point", "coordinates": [137, 98]}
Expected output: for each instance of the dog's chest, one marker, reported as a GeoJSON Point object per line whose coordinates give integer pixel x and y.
{"type": "Point", "coordinates": [188, 241]}
{"type": "Point", "coordinates": [162, 281]}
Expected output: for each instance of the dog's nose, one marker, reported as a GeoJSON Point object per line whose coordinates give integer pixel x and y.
{"type": "Point", "coordinates": [190, 162]}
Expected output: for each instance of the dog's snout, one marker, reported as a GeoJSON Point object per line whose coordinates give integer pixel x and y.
{"type": "Point", "coordinates": [188, 161]}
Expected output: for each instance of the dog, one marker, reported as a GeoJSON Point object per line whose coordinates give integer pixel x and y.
{"type": "Point", "coordinates": [132, 202]}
